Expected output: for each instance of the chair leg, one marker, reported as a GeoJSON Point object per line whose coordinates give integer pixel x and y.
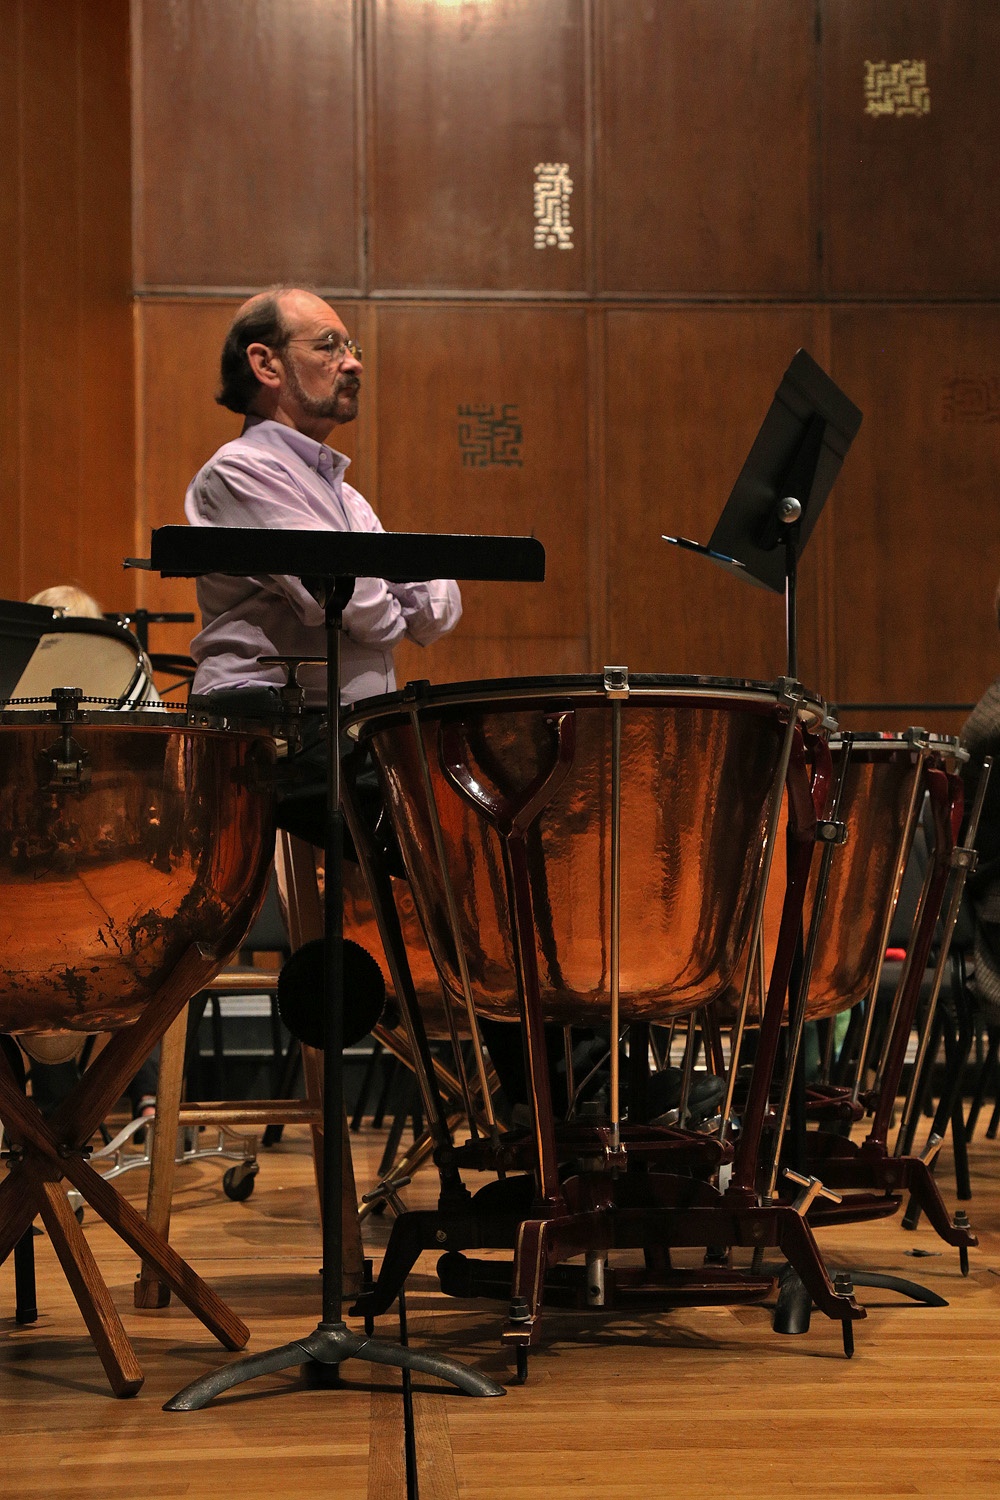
{"type": "Point", "coordinates": [406, 1108]}
{"type": "Point", "coordinates": [192, 1058]}
{"type": "Point", "coordinates": [219, 1088]}
{"type": "Point", "coordinates": [366, 1086]}
{"type": "Point", "coordinates": [957, 1045]}
{"type": "Point", "coordinates": [149, 1291]}
{"type": "Point", "coordinates": [985, 1079]}
{"type": "Point", "coordinates": [390, 1068]}
{"type": "Point", "coordinates": [291, 1067]}
{"type": "Point", "coordinates": [922, 1087]}
{"type": "Point", "coordinates": [131, 1226]}
{"type": "Point", "coordinates": [965, 1034]}
{"type": "Point", "coordinates": [25, 1294]}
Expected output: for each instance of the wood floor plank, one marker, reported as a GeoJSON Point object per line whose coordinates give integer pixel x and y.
{"type": "Point", "coordinates": [702, 1402]}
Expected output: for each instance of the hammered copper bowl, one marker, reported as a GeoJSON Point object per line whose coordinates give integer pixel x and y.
{"type": "Point", "coordinates": [124, 839]}
{"type": "Point", "coordinates": [698, 758]}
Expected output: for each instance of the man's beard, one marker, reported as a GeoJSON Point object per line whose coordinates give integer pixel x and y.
{"type": "Point", "coordinates": [341, 405]}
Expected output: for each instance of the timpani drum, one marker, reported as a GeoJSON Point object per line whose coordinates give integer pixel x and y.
{"type": "Point", "coordinates": [125, 838]}
{"type": "Point", "coordinates": [880, 807]}
{"type": "Point", "coordinates": [98, 658]}
{"type": "Point", "coordinates": [648, 800]}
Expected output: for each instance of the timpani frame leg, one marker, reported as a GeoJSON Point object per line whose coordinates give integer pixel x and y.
{"type": "Point", "coordinates": [87, 1284]}
{"type": "Point", "coordinates": [44, 1152]}
{"type": "Point", "coordinates": [42, 1157]}
{"type": "Point", "coordinates": [131, 1227]}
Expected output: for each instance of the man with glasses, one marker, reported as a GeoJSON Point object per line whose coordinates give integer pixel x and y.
{"type": "Point", "coordinates": [289, 367]}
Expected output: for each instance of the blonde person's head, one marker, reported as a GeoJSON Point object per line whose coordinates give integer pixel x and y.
{"type": "Point", "coordinates": [67, 599]}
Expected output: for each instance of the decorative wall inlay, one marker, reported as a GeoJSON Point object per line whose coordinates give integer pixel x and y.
{"type": "Point", "coordinates": [489, 436]}
{"type": "Point", "coordinates": [553, 190]}
{"type": "Point", "coordinates": [898, 88]}
{"type": "Point", "coordinates": [971, 398]}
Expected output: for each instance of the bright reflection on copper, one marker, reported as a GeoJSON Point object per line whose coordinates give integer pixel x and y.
{"type": "Point", "coordinates": [697, 771]}
{"type": "Point", "coordinates": [105, 884]}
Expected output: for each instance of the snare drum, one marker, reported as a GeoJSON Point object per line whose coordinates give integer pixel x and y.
{"type": "Point", "coordinates": [125, 837]}
{"type": "Point", "coordinates": [647, 801]}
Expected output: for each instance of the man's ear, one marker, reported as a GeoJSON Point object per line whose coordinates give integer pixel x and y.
{"type": "Point", "coordinates": [261, 361]}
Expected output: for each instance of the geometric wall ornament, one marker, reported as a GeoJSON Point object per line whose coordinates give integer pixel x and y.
{"type": "Point", "coordinates": [897, 88]}
{"type": "Point", "coordinates": [971, 399]}
{"type": "Point", "coordinates": [553, 189]}
{"type": "Point", "coordinates": [489, 436]}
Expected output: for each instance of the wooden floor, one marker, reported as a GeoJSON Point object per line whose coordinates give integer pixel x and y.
{"type": "Point", "coordinates": [699, 1403]}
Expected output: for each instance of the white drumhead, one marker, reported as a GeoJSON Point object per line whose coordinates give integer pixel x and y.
{"type": "Point", "coordinates": [102, 660]}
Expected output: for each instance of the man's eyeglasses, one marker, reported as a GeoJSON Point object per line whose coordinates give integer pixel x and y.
{"type": "Point", "coordinates": [332, 348]}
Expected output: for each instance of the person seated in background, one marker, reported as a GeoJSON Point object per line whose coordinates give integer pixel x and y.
{"type": "Point", "coordinates": [981, 737]}
{"type": "Point", "coordinates": [55, 1061]}
{"type": "Point", "coordinates": [67, 599]}
{"type": "Point", "coordinates": [289, 368]}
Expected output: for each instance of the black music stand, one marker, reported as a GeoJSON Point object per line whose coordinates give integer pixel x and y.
{"type": "Point", "coordinates": [21, 628]}
{"type": "Point", "coordinates": [781, 489]}
{"type": "Point", "coordinates": [330, 562]}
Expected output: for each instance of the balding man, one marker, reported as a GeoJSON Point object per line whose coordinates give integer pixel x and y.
{"type": "Point", "coordinates": [289, 367]}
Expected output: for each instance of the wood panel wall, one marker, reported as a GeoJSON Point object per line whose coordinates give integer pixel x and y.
{"type": "Point", "coordinates": [708, 147]}
{"type": "Point", "coordinates": [736, 181]}
{"type": "Point", "coordinates": [246, 144]}
{"type": "Point", "coordinates": [67, 472]}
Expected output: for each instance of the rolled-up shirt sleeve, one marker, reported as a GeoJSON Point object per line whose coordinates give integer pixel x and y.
{"type": "Point", "coordinates": [278, 480]}
{"type": "Point", "coordinates": [263, 493]}
{"type": "Point", "coordinates": [423, 611]}
{"type": "Point", "coordinates": [430, 609]}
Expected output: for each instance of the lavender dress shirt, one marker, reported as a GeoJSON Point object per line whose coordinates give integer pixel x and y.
{"type": "Point", "coordinates": [274, 476]}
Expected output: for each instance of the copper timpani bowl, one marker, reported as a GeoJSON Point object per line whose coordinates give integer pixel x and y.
{"type": "Point", "coordinates": [698, 759]}
{"type": "Point", "coordinates": [125, 837]}
{"type": "Point", "coordinates": [880, 807]}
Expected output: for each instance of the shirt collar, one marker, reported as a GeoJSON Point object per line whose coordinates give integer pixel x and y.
{"type": "Point", "coordinates": [320, 458]}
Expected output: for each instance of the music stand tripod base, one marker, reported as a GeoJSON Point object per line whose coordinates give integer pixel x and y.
{"type": "Point", "coordinates": [329, 1346]}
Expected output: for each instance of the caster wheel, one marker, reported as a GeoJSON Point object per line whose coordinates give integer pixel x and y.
{"type": "Point", "coordinates": [238, 1182]}
{"type": "Point", "coordinates": [522, 1364]}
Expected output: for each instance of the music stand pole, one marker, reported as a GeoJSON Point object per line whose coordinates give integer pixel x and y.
{"type": "Point", "coordinates": [790, 514]}
{"type": "Point", "coordinates": [332, 1342]}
